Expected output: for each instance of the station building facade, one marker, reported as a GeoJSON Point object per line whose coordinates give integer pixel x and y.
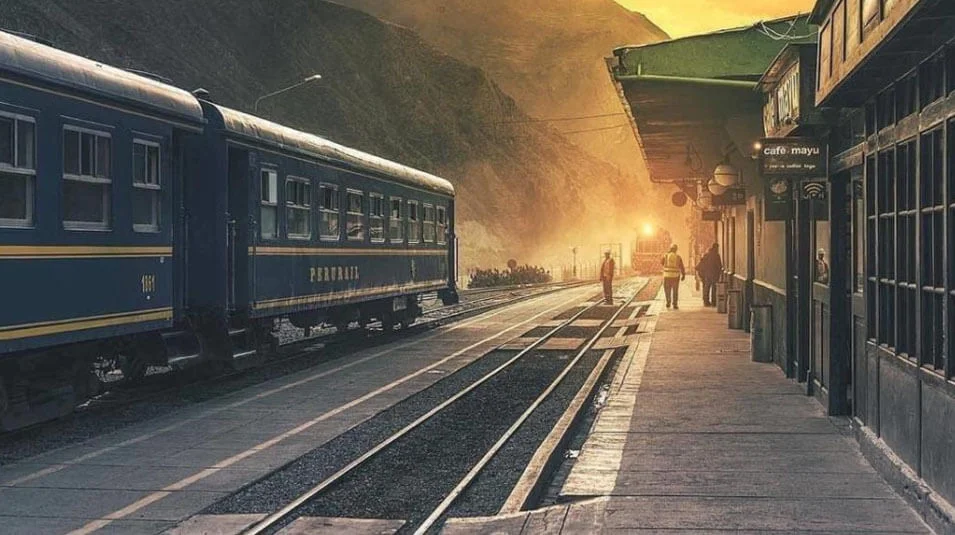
{"type": "Point", "coordinates": [859, 99]}
{"type": "Point", "coordinates": [888, 67]}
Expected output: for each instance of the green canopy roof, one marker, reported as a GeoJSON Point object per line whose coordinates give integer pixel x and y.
{"type": "Point", "coordinates": [734, 54]}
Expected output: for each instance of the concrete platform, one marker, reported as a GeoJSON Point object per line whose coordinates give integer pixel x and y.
{"type": "Point", "coordinates": [150, 477]}
{"type": "Point", "coordinates": [698, 438]}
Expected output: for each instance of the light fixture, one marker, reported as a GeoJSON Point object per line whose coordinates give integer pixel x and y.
{"type": "Point", "coordinates": [716, 188]}
{"type": "Point", "coordinates": [726, 175]}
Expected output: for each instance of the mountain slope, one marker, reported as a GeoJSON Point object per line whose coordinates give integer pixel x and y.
{"type": "Point", "coordinates": [547, 54]}
{"type": "Point", "coordinates": [523, 190]}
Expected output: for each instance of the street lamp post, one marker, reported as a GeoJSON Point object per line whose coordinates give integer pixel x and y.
{"type": "Point", "coordinates": [310, 79]}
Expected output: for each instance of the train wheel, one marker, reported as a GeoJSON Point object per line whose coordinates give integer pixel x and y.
{"type": "Point", "coordinates": [133, 367]}
{"type": "Point", "coordinates": [86, 384]}
{"type": "Point", "coordinates": [4, 397]}
{"type": "Point", "coordinates": [107, 369]}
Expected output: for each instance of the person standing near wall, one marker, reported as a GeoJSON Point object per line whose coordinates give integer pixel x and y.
{"type": "Point", "coordinates": [709, 270]}
{"type": "Point", "coordinates": [673, 273]}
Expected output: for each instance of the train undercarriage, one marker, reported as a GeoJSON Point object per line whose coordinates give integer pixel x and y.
{"type": "Point", "coordinates": [46, 385]}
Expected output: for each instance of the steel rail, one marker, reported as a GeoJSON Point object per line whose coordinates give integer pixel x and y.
{"type": "Point", "coordinates": [449, 500]}
{"type": "Point", "coordinates": [288, 352]}
{"type": "Point", "coordinates": [277, 517]}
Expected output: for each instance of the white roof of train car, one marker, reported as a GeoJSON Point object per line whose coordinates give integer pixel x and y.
{"type": "Point", "coordinates": [40, 62]}
{"type": "Point", "coordinates": [286, 138]}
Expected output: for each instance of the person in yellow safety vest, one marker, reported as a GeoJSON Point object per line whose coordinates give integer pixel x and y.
{"type": "Point", "coordinates": [673, 273]}
{"type": "Point", "coordinates": [607, 270]}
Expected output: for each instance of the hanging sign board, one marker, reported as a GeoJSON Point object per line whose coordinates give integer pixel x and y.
{"type": "Point", "coordinates": [778, 199]}
{"type": "Point", "coordinates": [794, 157]}
{"type": "Point", "coordinates": [732, 197]}
{"type": "Point", "coordinates": [712, 215]}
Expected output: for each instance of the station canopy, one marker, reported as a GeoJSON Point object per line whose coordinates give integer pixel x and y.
{"type": "Point", "coordinates": [689, 99]}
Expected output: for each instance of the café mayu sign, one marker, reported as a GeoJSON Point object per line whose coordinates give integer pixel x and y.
{"type": "Point", "coordinates": [792, 157]}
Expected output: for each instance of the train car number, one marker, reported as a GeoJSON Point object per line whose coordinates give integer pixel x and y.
{"type": "Point", "coordinates": [148, 284]}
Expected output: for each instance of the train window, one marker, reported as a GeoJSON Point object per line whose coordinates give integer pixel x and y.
{"type": "Point", "coordinates": [17, 170]}
{"type": "Point", "coordinates": [330, 213]}
{"type": "Point", "coordinates": [414, 224]}
{"type": "Point", "coordinates": [396, 225]}
{"type": "Point", "coordinates": [298, 207]}
{"type": "Point", "coordinates": [86, 178]}
{"type": "Point", "coordinates": [269, 202]}
{"type": "Point", "coordinates": [442, 225]}
{"type": "Point", "coordinates": [376, 214]}
{"type": "Point", "coordinates": [429, 231]}
{"type": "Point", "coordinates": [147, 187]}
{"type": "Point", "coordinates": [355, 225]}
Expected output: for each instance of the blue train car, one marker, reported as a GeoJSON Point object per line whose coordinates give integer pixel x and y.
{"type": "Point", "coordinates": [140, 225]}
{"type": "Point", "coordinates": [90, 190]}
{"type": "Point", "coordinates": [287, 224]}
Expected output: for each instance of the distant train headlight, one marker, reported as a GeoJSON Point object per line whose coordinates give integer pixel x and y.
{"type": "Point", "coordinates": [648, 229]}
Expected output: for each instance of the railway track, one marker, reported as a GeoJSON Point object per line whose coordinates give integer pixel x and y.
{"type": "Point", "coordinates": [474, 421]}
{"type": "Point", "coordinates": [172, 389]}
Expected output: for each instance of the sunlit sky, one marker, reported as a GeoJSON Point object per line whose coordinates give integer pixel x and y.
{"type": "Point", "coordinates": [687, 17]}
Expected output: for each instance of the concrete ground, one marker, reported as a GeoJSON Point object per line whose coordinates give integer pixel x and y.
{"type": "Point", "coordinates": [698, 438]}
{"type": "Point", "coordinates": [151, 476]}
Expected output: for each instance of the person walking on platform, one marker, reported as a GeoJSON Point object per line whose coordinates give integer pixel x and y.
{"type": "Point", "coordinates": [673, 273]}
{"type": "Point", "coordinates": [607, 270]}
{"type": "Point", "coordinates": [709, 270]}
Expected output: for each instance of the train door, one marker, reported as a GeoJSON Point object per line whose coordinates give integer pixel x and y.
{"type": "Point", "coordinates": [238, 230]}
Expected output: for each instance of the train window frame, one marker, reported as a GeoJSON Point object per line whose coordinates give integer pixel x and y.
{"type": "Point", "coordinates": [353, 217]}
{"type": "Point", "coordinates": [151, 186]}
{"type": "Point", "coordinates": [99, 174]}
{"type": "Point", "coordinates": [442, 225]}
{"type": "Point", "coordinates": [376, 217]}
{"type": "Point", "coordinates": [326, 213]}
{"type": "Point", "coordinates": [396, 225]}
{"type": "Point", "coordinates": [300, 200]}
{"type": "Point", "coordinates": [429, 226]}
{"type": "Point", "coordinates": [413, 223]}
{"type": "Point", "coordinates": [16, 170]}
{"type": "Point", "coordinates": [269, 202]}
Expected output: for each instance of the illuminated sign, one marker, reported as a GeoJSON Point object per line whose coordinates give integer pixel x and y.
{"type": "Point", "coordinates": [793, 157]}
{"type": "Point", "coordinates": [787, 95]}
{"type": "Point", "coordinates": [782, 103]}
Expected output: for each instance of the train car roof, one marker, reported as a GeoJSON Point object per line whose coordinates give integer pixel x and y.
{"type": "Point", "coordinates": [33, 60]}
{"type": "Point", "coordinates": [283, 137]}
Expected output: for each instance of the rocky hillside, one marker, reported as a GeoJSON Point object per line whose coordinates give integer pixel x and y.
{"type": "Point", "coordinates": [524, 191]}
{"type": "Point", "coordinates": [547, 54]}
